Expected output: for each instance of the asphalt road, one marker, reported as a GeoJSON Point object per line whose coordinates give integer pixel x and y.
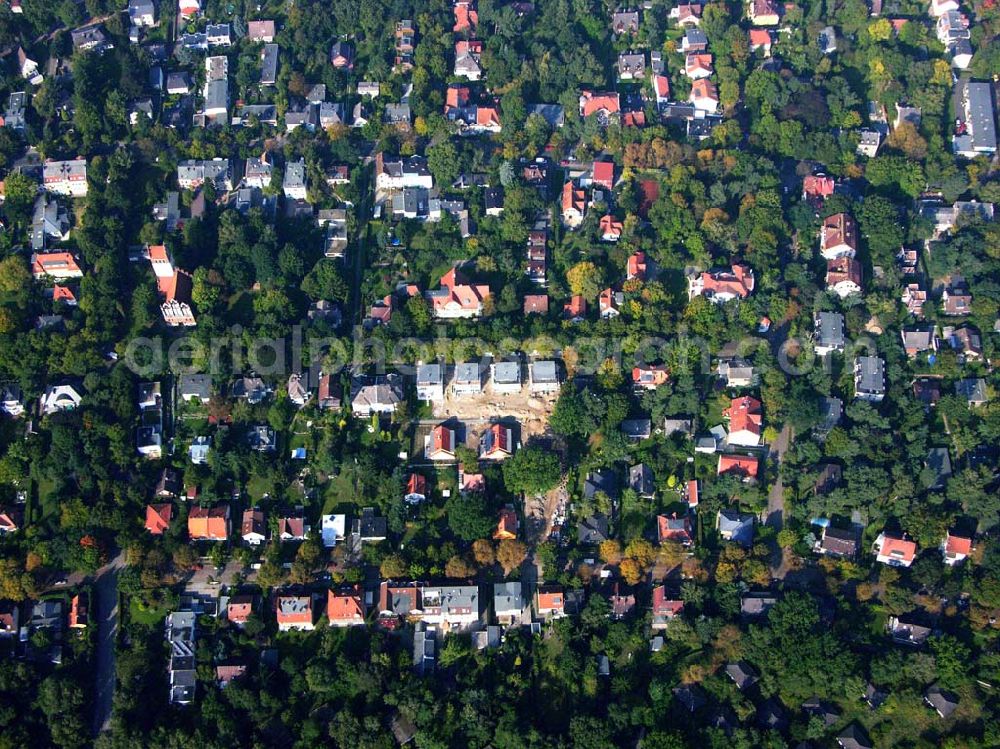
{"type": "Point", "coordinates": [104, 611]}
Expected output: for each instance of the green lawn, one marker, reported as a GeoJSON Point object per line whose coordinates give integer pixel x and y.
{"type": "Point", "coordinates": [339, 491]}
{"type": "Point", "coordinates": [47, 503]}
{"type": "Point", "coordinates": [141, 614]}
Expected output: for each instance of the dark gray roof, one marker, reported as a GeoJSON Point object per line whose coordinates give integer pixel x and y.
{"type": "Point", "coordinates": [742, 673]}
{"type": "Point", "coordinates": [830, 329]}
{"type": "Point", "coordinates": [593, 530]}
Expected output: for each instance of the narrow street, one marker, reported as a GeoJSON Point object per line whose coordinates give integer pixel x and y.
{"type": "Point", "coordinates": [104, 611]}
{"type": "Point", "coordinates": [776, 497]}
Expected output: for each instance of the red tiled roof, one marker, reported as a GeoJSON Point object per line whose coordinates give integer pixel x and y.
{"type": "Point", "coordinates": [538, 303]}
{"type": "Point", "coordinates": [507, 525]}
{"type": "Point", "coordinates": [442, 438]}
{"type": "Point", "coordinates": [636, 118]}
{"type": "Point", "coordinates": [661, 86]}
{"type": "Point", "coordinates": [345, 607]}
{"type": "Point", "coordinates": [898, 548]}
{"type": "Point", "coordinates": [610, 226]}
{"type": "Point", "coordinates": [456, 96]}
{"type": "Point", "coordinates": [838, 229]}
{"type": "Point", "coordinates": [739, 281]}
{"type": "Point", "coordinates": [636, 266]}
{"type": "Point", "coordinates": [745, 465]}
{"type": "Point", "coordinates": [592, 103]}
{"type": "Point", "coordinates": [551, 600]}
{"type": "Point", "coordinates": [209, 523]}
{"type": "Point", "coordinates": [744, 415]}
{"type": "Point", "coordinates": [704, 89]}
{"type": "Point", "coordinates": [817, 186]}
{"type": "Point", "coordinates": [843, 269]}
{"type": "Point", "coordinates": [958, 545]}
{"type": "Point", "coordinates": [416, 484]}
{"type": "Point", "coordinates": [692, 493]}
{"type": "Point", "coordinates": [760, 38]}
{"type": "Point", "coordinates": [158, 518]}
{"type": "Point", "coordinates": [573, 199]}
{"type": "Point", "coordinates": [663, 606]}
{"type": "Point", "coordinates": [576, 306]}
{"type": "Point", "coordinates": [604, 173]}
{"type": "Point", "coordinates": [63, 294]}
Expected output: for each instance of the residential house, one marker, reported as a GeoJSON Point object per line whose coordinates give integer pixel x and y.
{"type": "Point", "coordinates": [209, 523]}
{"type": "Point", "coordinates": [967, 341]}
{"type": "Point", "coordinates": [239, 609]}
{"type": "Point", "coordinates": [508, 603]}
{"type": "Point", "coordinates": [843, 276]}
{"type": "Point", "coordinates": [195, 387]}
{"type": "Point", "coordinates": [536, 304]}
{"type": "Point", "coordinates": [440, 443]}
{"type": "Point", "coordinates": [605, 106]}
{"type": "Point", "coordinates": [854, 737]}
{"type": "Point", "coordinates": [916, 341]}
{"type": "Point", "coordinates": [955, 548]}
{"type": "Point", "coordinates": [735, 526]}
{"type": "Point", "coordinates": [631, 65]}
{"type": "Point", "coordinates": [49, 221]}
{"type": "Point", "coordinates": [65, 177]}
{"type": "Point", "coordinates": [543, 377]}
{"type": "Point", "coordinates": [625, 22]}
{"type": "Point", "coordinates": [746, 467]}
{"type": "Point", "coordinates": [158, 517]}
{"type": "Point", "coordinates": [430, 382]}
{"type": "Point", "coordinates": [457, 298]}
{"type": "Point", "coordinates": [670, 528]}
{"type": "Point", "coordinates": [506, 377]}
{"type": "Point", "coordinates": [907, 632]}
{"type": "Point", "coordinates": [722, 285]}
{"type": "Point", "coordinates": [198, 451]}
{"type": "Point", "coordinates": [704, 96]}
{"type": "Point", "coordinates": [381, 394]}
{"type": "Point", "coordinates": [550, 603]}
{"type": "Point", "coordinates": [452, 606]}
{"type": "Point", "coordinates": [956, 301]}
{"type": "Point", "coordinates": [261, 31]}
{"type": "Point", "coordinates": [694, 40]}
{"type": "Point", "coordinates": [943, 702]}
{"type": "Point", "coordinates": [497, 443]}
{"type": "Point", "coordinates": [342, 55]}
{"type": "Point", "coordinates": [64, 397]}
{"type": "Point", "coordinates": [829, 333]}
{"type": "Point", "coordinates": [760, 39]}
{"type": "Point", "coordinates": [640, 480]}
{"type": "Point", "coordinates": [868, 142]}
{"type": "Point", "coordinates": [574, 205]}
{"type": "Point", "coordinates": [975, 132]}
{"type": "Point", "coordinates": [650, 377]}
{"type": "Point", "coordinates": [838, 542]}
{"type": "Point", "coordinates": [742, 674]}
{"type": "Point", "coordinates": [11, 399]}
{"type": "Point", "coordinates": [468, 379]}
{"type": "Point", "coordinates": [467, 59]}
{"type": "Point", "coordinates": [345, 608]}
{"type": "Point", "coordinates": [737, 373]}
{"type": "Point", "coordinates": [816, 187]}
{"type": "Point", "coordinates": [686, 16]}
{"type": "Point", "coordinates": [369, 526]}
{"type": "Point", "coordinates": [294, 613]}
{"type": "Point", "coordinates": [869, 378]}
{"type": "Point", "coordinates": [894, 551]}
{"type": "Point", "coordinates": [637, 429]}
{"type": "Point", "coordinates": [698, 66]}
{"type": "Point", "coordinates": [755, 605]}
{"type": "Point", "coordinates": [610, 228]}
{"type": "Point", "coordinates": [661, 89]}
{"type": "Point", "coordinates": [838, 237]}
{"type": "Point", "coordinates": [745, 416]}
{"type": "Point", "coordinates": [665, 610]}
{"type": "Point", "coordinates": [507, 525]}
{"type": "Point", "coordinates": [397, 603]}
{"type": "Point", "coordinates": [973, 389]}
{"type": "Point", "coordinates": [294, 181]}
{"type": "Point", "coordinates": [253, 529]}
{"type": "Point", "coordinates": [332, 529]}
{"type": "Point", "coordinates": [764, 12]}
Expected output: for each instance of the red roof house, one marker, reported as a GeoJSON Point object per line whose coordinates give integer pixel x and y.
{"type": "Point", "coordinates": [158, 518]}
{"type": "Point", "coordinates": [744, 466]}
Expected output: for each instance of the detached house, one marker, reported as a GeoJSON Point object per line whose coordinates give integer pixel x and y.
{"type": "Point", "coordinates": [65, 177]}
{"type": "Point", "coordinates": [828, 333]}
{"type": "Point", "coordinates": [869, 378]}
{"type": "Point", "coordinates": [342, 55]}
{"type": "Point", "coordinates": [294, 613]}
{"type": "Point", "coordinates": [440, 443]}
{"type": "Point", "coordinates": [955, 548]}
{"type": "Point", "coordinates": [430, 382]}
{"type": "Point", "coordinates": [603, 105]}
{"type": "Point", "coordinates": [704, 96]}
{"type": "Point", "coordinates": [838, 237]}
{"type": "Point", "coordinates": [745, 467]}
{"type": "Point", "coordinates": [453, 607]}
{"type": "Point", "coordinates": [456, 298]}
{"type": "Point", "coordinates": [467, 57]}
{"type": "Point", "coordinates": [175, 287]}
{"type": "Point", "coordinates": [843, 276]}
{"type": "Point", "coordinates": [631, 65]}
{"type": "Point", "coordinates": [764, 12]}
{"type": "Point", "coordinates": [550, 603]}
{"type": "Point", "coordinates": [919, 340]}
{"type": "Point", "coordinates": [574, 205]}
{"type": "Point", "coordinates": [745, 418]}
{"type": "Point", "coordinates": [722, 286]}
{"type": "Point", "coordinates": [253, 529]}
{"type": "Point", "coordinates": [697, 66]}
{"type": "Point", "coordinates": [497, 443]}
{"type": "Point", "coordinates": [896, 552]}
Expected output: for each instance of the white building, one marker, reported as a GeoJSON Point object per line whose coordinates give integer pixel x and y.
{"type": "Point", "coordinates": [65, 177]}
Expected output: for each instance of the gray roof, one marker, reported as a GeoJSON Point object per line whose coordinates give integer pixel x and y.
{"type": "Point", "coordinates": [637, 428]}
{"type": "Point", "coordinates": [593, 530]}
{"type": "Point", "coordinates": [741, 673]}
{"type": "Point", "coordinates": [980, 114]}
{"type": "Point", "coordinates": [830, 329]}
{"type": "Point", "coordinates": [295, 174]}
{"type": "Point", "coordinates": [269, 65]}
{"type": "Point", "coordinates": [217, 94]}
{"type": "Point", "coordinates": [942, 701]}
{"type": "Point", "coordinates": [600, 481]}
{"type": "Point", "coordinates": [830, 410]}
{"type": "Point", "coordinates": [507, 372]}
{"type": "Point", "coordinates": [423, 650]}
{"type": "Point", "coordinates": [551, 113]}
{"type": "Point", "coordinates": [199, 385]}
{"type": "Point", "coordinates": [467, 372]}
{"type": "Point", "coordinates": [737, 525]}
{"type": "Point", "coordinates": [640, 479]}
{"type": "Point", "coordinates": [507, 596]}
{"type": "Point", "coordinates": [973, 390]}
{"type": "Point", "coordinates": [870, 374]}
{"type": "Point", "coordinates": [939, 461]}
{"type": "Point", "coordinates": [544, 371]}
{"type": "Point", "coordinates": [429, 374]}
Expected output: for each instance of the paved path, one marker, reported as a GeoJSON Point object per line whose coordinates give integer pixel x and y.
{"type": "Point", "coordinates": [776, 497]}
{"type": "Point", "coordinates": [104, 610]}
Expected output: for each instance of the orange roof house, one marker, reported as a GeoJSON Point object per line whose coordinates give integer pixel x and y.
{"type": "Point", "coordinates": [457, 96]}
{"type": "Point", "coordinates": [457, 298]}
{"type": "Point", "coordinates": [239, 609]}
{"type": "Point", "coordinates": [650, 377]}
{"type": "Point", "coordinates": [158, 518]}
{"type": "Point", "coordinates": [55, 264]}
{"type": "Point", "coordinates": [692, 493]}
{"type": "Point", "coordinates": [507, 526]}
{"type": "Point", "coordinates": [610, 228]}
{"type": "Point", "coordinates": [78, 618]}
{"type": "Point", "coordinates": [536, 304]}
{"type": "Point", "coordinates": [550, 601]}
{"type": "Point", "coordinates": [636, 266]}
{"type": "Point", "coordinates": [466, 17]}
{"type": "Point", "coordinates": [575, 308]}
{"type": "Point", "coordinates": [698, 65]}
{"type": "Point", "coordinates": [896, 552]}
{"type": "Point", "coordinates": [673, 528]}
{"type": "Point", "coordinates": [488, 118]}
{"type": "Point", "coordinates": [723, 286]}
{"type": "Point", "coordinates": [760, 39]}
{"type": "Point", "coordinates": [440, 444]}
{"type": "Point", "coordinates": [661, 88]}
{"type": "Point", "coordinates": [209, 523]}
{"type": "Point", "coordinates": [63, 294]}
{"type": "Point", "coordinates": [956, 548]}
{"type": "Point", "coordinates": [745, 466]}
{"type": "Point", "coordinates": [634, 118]}
{"type": "Point", "coordinates": [603, 174]}
{"type": "Point", "coordinates": [574, 204]}
{"type": "Point", "coordinates": [818, 186]}
{"type": "Point", "coordinates": [704, 95]}
{"type": "Point", "coordinates": [601, 104]}
{"type": "Point", "coordinates": [294, 612]}
{"type": "Point", "coordinates": [843, 276]}
{"type": "Point", "coordinates": [745, 416]}
{"type": "Point", "coordinates": [345, 609]}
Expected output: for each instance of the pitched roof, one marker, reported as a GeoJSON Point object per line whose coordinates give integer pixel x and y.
{"type": "Point", "coordinates": [746, 465]}
{"type": "Point", "coordinates": [209, 523]}
{"type": "Point", "coordinates": [744, 414]}
{"type": "Point", "coordinates": [344, 607]}
{"type": "Point", "coordinates": [158, 518]}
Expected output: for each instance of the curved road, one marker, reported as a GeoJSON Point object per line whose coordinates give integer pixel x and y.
{"type": "Point", "coordinates": [104, 611]}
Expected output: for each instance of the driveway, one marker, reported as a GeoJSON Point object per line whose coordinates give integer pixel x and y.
{"type": "Point", "coordinates": [776, 497]}
{"type": "Point", "coordinates": [104, 610]}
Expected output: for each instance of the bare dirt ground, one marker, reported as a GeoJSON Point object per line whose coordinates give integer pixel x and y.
{"type": "Point", "coordinates": [530, 410]}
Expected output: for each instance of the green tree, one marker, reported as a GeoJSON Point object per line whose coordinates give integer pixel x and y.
{"type": "Point", "coordinates": [531, 470]}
